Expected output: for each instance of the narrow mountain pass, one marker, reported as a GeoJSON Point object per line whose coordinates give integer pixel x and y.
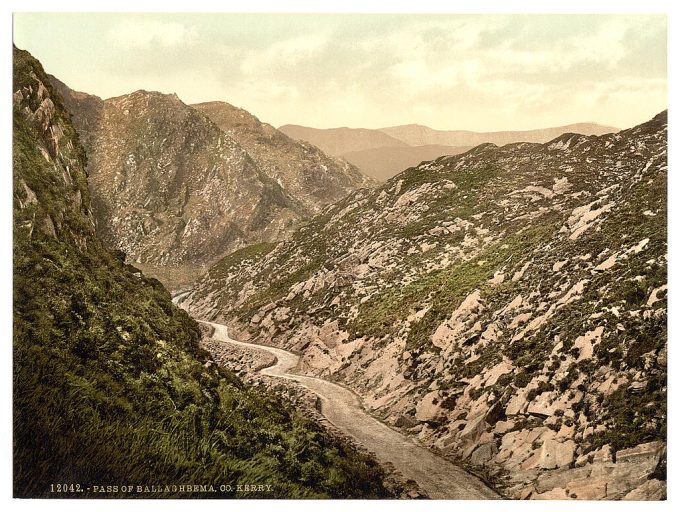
{"type": "Point", "coordinates": [438, 477]}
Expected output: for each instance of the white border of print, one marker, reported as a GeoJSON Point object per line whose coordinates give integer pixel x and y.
{"type": "Point", "coordinates": [333, 6]}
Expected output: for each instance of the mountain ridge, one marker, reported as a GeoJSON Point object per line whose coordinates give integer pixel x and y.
{"type": "Point", "coordinates": [170, 187]}
{"type": "Point", "coordinates": [308, 174]}
{"type": "Point", "coordinates": [506, 306]}
{"type": "Point", "coordinates": [338, 141]}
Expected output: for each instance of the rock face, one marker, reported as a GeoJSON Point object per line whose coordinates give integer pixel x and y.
{"type": "Point", "coordinates": [304, 171]}
{"type": "Point", "coordinates": [506, 306]}
{"type": "Point", "coordinates": [170, 187]}
{"type": "Point", "coordinates": [51, 197]}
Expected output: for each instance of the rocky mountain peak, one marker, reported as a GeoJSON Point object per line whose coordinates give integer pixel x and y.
{"type": "Point", "coordinates": [302, 169]}
{"type": "Point", "coordinates": [172, 187]}
{"type": "Point", "coordinates": [228, 117]}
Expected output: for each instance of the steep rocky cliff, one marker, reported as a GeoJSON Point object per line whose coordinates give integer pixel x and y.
{"type": "Point", "coordinates": [506, 306]}
{"type": "Point", "coordinates": [170, 187]}
{"type": "Point", "coordinates": [110, 386]}
{"type": "Point", "coordinates": [303, 170]}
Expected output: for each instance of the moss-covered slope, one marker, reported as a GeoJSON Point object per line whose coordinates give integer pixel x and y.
{"type": "Point", "coordinates": [110, 385]}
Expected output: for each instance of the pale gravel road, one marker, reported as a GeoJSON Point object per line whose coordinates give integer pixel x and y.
{"type": "Point", "coordinates": [438, 477]}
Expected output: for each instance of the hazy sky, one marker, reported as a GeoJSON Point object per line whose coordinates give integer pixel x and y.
{"type": "Point", "coordinates": [477, 72]}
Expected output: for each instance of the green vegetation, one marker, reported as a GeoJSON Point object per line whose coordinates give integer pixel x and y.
{"type": "Point", "coordinates": [633, 418]}
{"type": "Point", "coordinates": [243, 255]}
{"type": "Point", "coordinates": [110, 384]}
{"type": "Point", "coordinates": [445, 289]}
{"type": "Point", "coordinates": [277, 288]}
{"type": "Point", "coordinates": [522, 379]}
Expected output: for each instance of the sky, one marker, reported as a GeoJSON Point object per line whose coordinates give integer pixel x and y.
{"type": "Point", "coordinates": [475, 72]}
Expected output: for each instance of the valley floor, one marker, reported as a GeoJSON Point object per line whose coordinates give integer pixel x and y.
{"type": "Point", "coordinates": [436, 476]}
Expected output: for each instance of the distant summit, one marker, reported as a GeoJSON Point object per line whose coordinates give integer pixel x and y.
{"type": "Point", "coordinates": [339, 141]}
{"type": "Point", "coordinates": [418, 135]}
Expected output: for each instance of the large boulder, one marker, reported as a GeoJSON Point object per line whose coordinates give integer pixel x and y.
{"type": "Point", "coordinates": [555, 454]}
{"type": "Point", "coordinates": [651, 490]}
{"type": "Point", "coordinates": [429, 407]}
{"type": "Point", "coordinates": [483, 454]}
{"type": "Point", "coordinates": [474, 428]}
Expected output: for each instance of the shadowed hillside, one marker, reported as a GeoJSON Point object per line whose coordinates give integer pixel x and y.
{"type": "Point", "coordinates": [110, 385]}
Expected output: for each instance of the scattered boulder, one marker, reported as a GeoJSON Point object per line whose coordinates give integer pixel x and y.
{"type": "Point", "coordinates": [428, 408]}
{"type": "Point", "coordinates": [651, 490]}
{"type": "Point", "coordinates": [405, 421]}
{"type": "Point", "coordinates": [607, 264]}
{"type": "Point", "coordinates": [555, 454]}
{"type": "Point", "coordinates": [474, 428]}
{"type": "Point", "coordinates": [588, 488]}
{"type": "Point", "coordinates": [483, 454]}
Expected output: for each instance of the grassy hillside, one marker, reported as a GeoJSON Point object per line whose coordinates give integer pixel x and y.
{"type": "Point", "coordinates": [110, 385]}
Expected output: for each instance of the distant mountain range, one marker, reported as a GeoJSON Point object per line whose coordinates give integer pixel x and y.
{"type": "Point", "coordinates": [339, 141]}
{"type": "Point", "coordinates": [417, 135]}
{"type": "Point", "coordinates": [384, 152]}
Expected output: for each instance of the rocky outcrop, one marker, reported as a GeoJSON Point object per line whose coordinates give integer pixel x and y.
{"type": "Point", "coordinates": [171, 187]}
{"type": "Point", "coordinates": [55, 204]}
{"type": "Point", "coordinates": [506, 306]}
{"type": "Point", "coordinates": [303, 170]}
{"type": "Point", "coordinates": [631, 477]}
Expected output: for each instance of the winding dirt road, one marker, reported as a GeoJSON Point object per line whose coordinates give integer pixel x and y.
{"type": "Point", "coordinates": [438, 477]}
